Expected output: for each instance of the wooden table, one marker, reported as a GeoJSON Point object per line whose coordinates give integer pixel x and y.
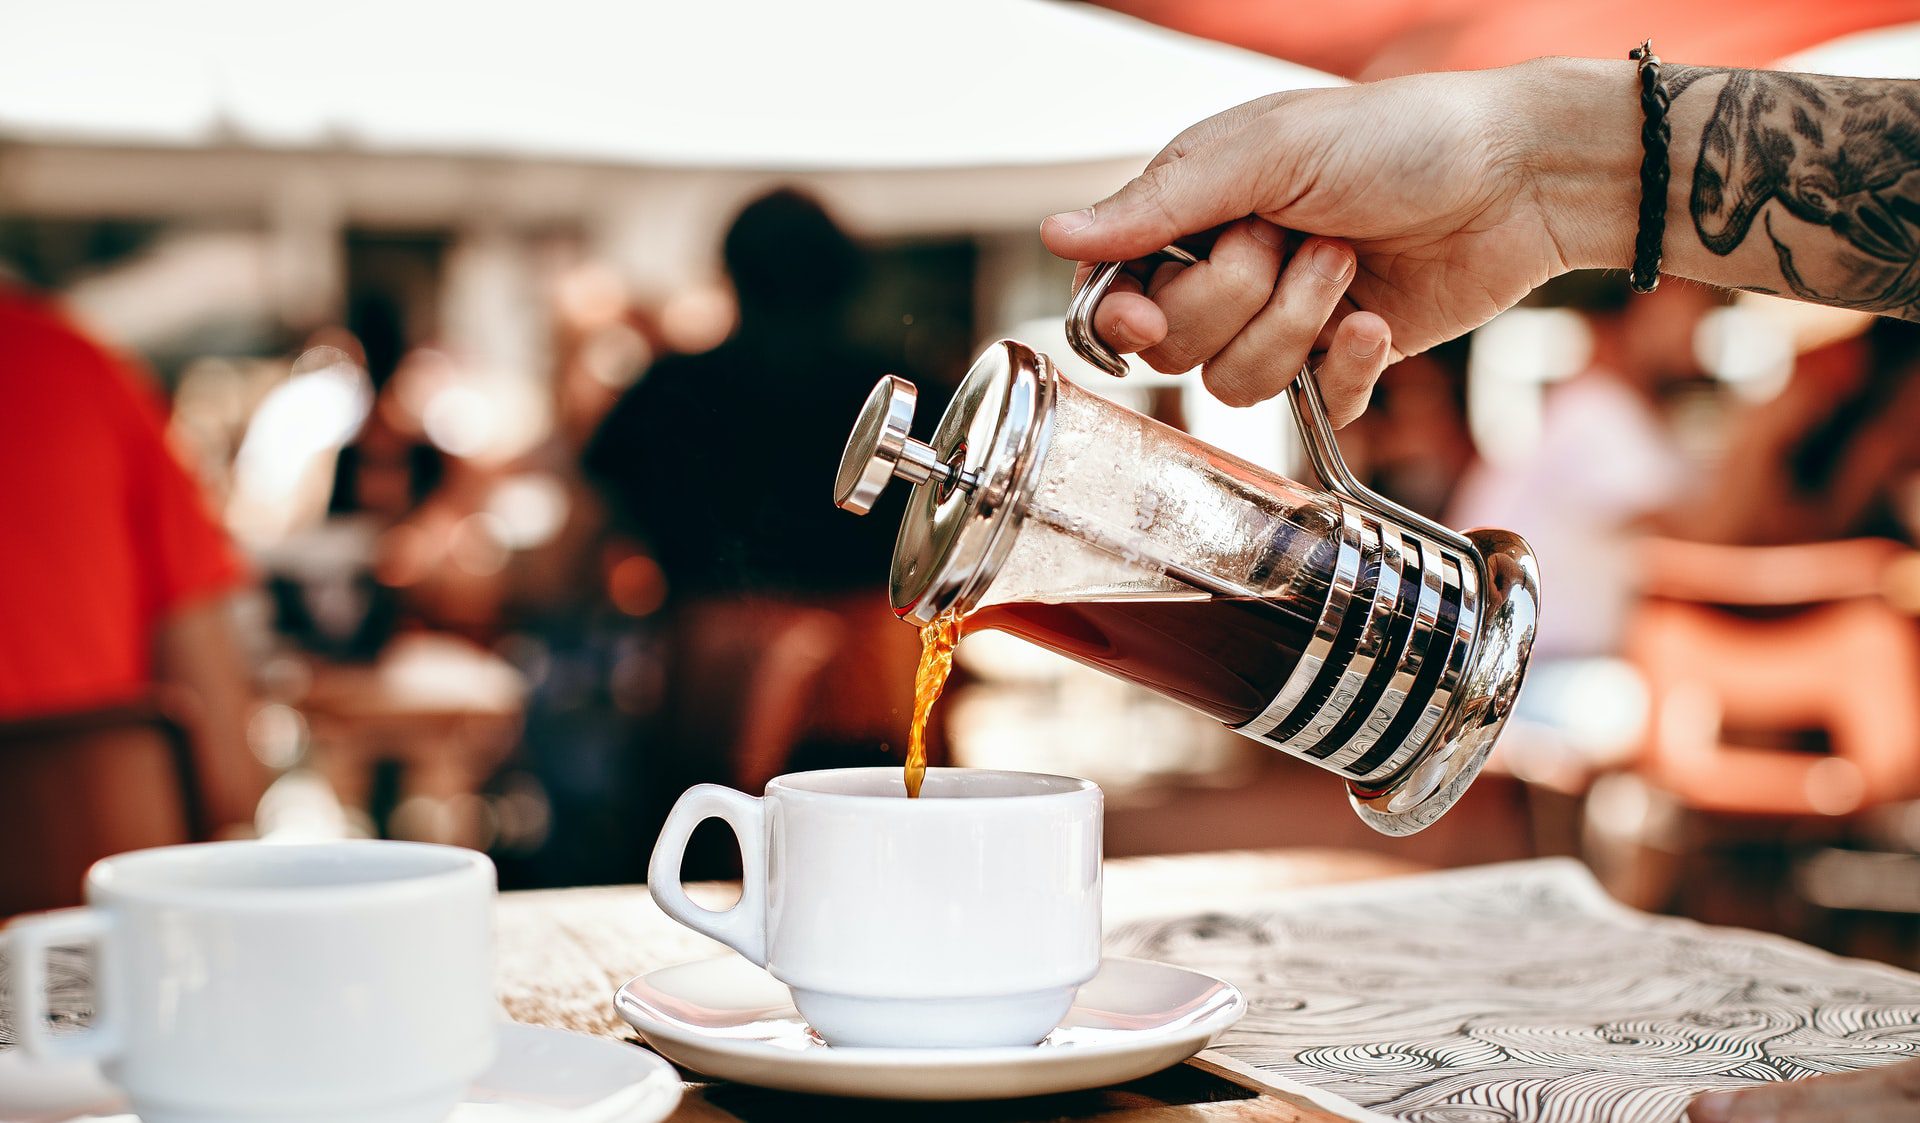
{"type": "Point", "coordinates": [443, 711]}
{"type": "Point", "coordinates": [562, 954]}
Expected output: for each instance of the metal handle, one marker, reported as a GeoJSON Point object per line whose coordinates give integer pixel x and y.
{"type": "Point", "coordinates": [1303, 394]}
{"type": "Point", "coordinates": [1080, 334]}
{"type": "Point", "coordinates": [1323, 452]}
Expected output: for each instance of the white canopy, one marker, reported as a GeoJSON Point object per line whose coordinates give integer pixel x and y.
{"type": "Point", "coordinates": [746, 84]}
{"type": "Point", "coordinates": [1886, 52]}
{"type": "Point", "coordinates": [642, 123]}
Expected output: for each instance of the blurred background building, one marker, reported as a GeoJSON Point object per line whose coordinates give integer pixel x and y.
{"type": "Point", "coordinates": [504, 352]}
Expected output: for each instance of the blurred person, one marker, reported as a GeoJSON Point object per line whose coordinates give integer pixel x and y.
{"type": "Point", "coordinates": [1826, 458]}
{"type": "Point", "coordinates": [1604, 468]}
{"type": "Point", "coordinates": [114, 581]}
{"type": "Point", "coordinates": [1417, 208]}
{"type": "Point", "coordinates": [781, 650]}
{"type": "Point", "coordinates": [722, 461]}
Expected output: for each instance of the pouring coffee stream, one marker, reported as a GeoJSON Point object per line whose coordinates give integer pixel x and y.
{"type": "Point", "coordinates": [1329, 623]}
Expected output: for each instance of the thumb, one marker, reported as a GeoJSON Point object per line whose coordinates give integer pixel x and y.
{"type": "Point", "coordinates": [1196, 192]}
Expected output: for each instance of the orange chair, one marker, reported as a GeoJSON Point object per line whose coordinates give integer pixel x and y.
{"type": "Point", "coordinates": [1849, 670]}
{"type": "Point", "coordinates": [1826, 655]}
{"type": "Point", "coordinates": [1745, 651]}
{"type": "Point", "coordinates": [78, 787]}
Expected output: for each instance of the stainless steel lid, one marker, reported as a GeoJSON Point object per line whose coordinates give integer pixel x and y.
{"type": "Point", "coordinates": [968, 481]}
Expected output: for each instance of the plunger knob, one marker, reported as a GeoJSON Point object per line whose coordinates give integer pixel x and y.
{"type": "Point", "coordinates": [881, 449]}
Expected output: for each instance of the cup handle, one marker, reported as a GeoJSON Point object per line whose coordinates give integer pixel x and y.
{"type": "Point", "coordinates": [744, 926]}
{"type": "Point", "coordinates": [27, 942]}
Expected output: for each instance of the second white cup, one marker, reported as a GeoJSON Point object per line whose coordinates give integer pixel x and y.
{"type": "Point", "coordinates": [966, 918]}
{"type": "Point", "coordinates": [338, 982]}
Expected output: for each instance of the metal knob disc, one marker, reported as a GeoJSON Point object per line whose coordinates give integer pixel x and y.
{"type": "Point", "coordinates": [878, 441]}
{"type": "Point", "coordinates": [880, 449]}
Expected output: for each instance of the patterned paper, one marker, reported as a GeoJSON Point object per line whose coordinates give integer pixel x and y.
{"type": "Point", "coordinates": [1522, 992]}
{"type": "Point", "coordinates": [69, 992]}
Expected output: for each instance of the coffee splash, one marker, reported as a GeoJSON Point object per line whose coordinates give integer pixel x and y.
{"type": "Point", "coordinates": [937, 641]}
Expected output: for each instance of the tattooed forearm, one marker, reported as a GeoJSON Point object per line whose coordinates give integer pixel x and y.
{"type": "Point", "coordinates": [1828, 168]}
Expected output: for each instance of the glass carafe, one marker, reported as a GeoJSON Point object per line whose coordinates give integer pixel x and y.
{"type": "Point", "coordinates": [1327, 622]}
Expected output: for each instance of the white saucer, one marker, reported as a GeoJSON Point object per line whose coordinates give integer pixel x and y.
{"type": "Point", "coordinates": [538, 1076]}
{"type": "Point", "coordinates": [727, 1018]}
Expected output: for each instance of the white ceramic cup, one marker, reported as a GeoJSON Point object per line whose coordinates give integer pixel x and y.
{"type": "Point", "coordinates": [306, 983]}
{"type": "Point", "coordinates": [965, 918]}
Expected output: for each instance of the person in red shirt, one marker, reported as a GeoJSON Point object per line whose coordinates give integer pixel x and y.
{"type": "Point", "coordinates": [113, 576]}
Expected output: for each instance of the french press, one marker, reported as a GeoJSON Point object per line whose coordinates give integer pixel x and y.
{"type": "Point", "coordinates": [1332, 624]}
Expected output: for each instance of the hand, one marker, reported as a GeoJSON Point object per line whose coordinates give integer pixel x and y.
{"type": "Point", "coordinates": [1447, 188]}
{"type": "Point", "coordinates": [1889, 1094]}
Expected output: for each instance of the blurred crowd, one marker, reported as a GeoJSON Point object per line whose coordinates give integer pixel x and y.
{"type": "Point", "coordinates": [401, 595]}
{"type": "Point", "coordinates": [348, 580]}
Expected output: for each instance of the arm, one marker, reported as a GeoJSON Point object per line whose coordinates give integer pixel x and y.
{"type": "Point", "coordinates": [197, 662]}
{"type": "Point", "coordinates": [1888, 1094]}
{"type": "Point", "coordinates": [1457, 194]}
{"type": "Point", "coordinates": [1801, 185]}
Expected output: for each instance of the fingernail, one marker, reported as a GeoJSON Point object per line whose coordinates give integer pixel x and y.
{"type": "Point", "coordinates": [1364, 347]}
{"type": "Point", "coordinates": [1268, 233]}
{"type": "Point", "coordinates": [1072, 222]}
{"type": "Point", "coordinates": [1119, 335]}
{"type": "Point", "coordinates": [1331, 261]}
{"type": "Point", "coordinates": [1714, 1107]}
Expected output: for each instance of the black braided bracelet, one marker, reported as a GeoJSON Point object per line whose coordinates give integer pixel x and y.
{"type": "Point", "coordinates": [1655, 135]}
